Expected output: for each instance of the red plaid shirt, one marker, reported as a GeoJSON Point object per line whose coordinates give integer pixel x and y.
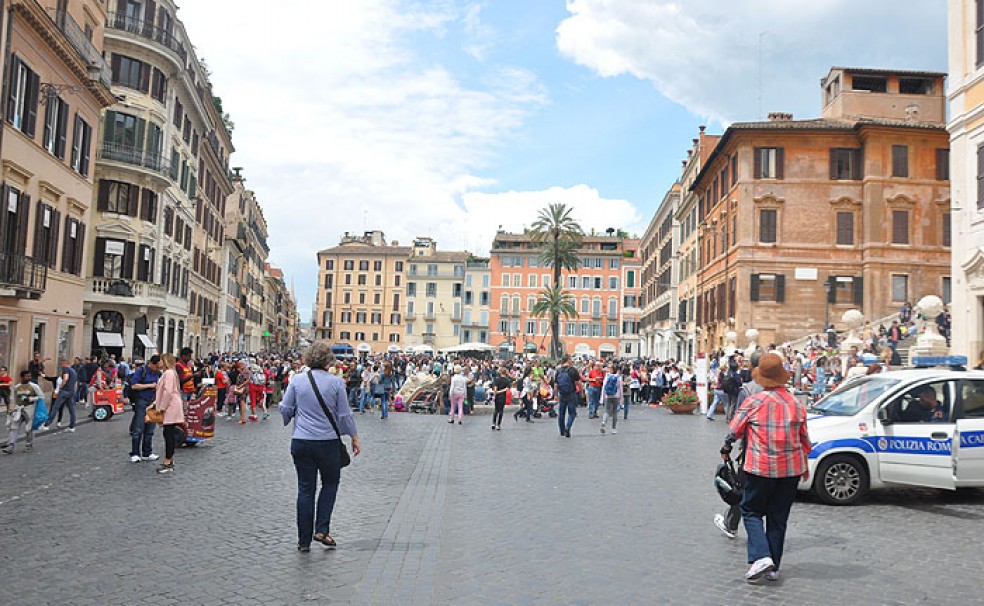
{"type": "Point", "coordinates": [773, 426]}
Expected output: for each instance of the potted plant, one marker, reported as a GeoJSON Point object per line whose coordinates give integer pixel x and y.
{"type": "Point", "coordinates": [681, 402]}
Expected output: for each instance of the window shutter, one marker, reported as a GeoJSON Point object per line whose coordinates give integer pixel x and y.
{"type": "Point", "coordinates": [66, 261]}
{"type": "Point", "coordinates": [5, 195]}
{"type": "Point", "coordinates": [780, 163]}
{"type": "Point", "coordinates": [38, 253]}
{"type": "Point", "coordinates": [114, 64]}
{"type": "Point", "coordinates": [857, 170]}
{"type": "Point", "coordinates": [33, 86]}
{"type": "Point", "coordinates": [129, 252]}
{"type": "Point", "coordinates": [980, 177]}
{"type": "Point", "coordinates": [12, 87]}
{"type": "Point", "coordinates": [49, 110]}
{"type": "Point", "coordinates": [149, 14]}
{"type": "Point", "coordinates": [757, 152]}
{"type": "Point", "coordinates": [831, 289]}
{"type": "Point", "coordinates": [85, 146]}
{"type": "Point", "coordinates": [62, 130]}
{"type": "Point", "coordinates": [99, 258]}
{"type": "Point", "coordinates": [79, 249]}
{"type": "Point", "coordinates": [141, 266]}
{"type": "Point", "coordinates": [859, 291]}
{"type": "Point", "coordinates": [755, 287]}
{"type": "Point", "coordinates": [153, 265]}
{"type": "Point", "coordinates": [833, 164]}
{"type": "Point", "coordinates": [53, 238]}
{"type": "Point", "coordinates": [102, 202]}
{"type": "Point", "coordinates": [132, 200]}
{"type": "Point", "coordinates": [780, 288]}
{"type": "Point", "coordinates": [144, 77]}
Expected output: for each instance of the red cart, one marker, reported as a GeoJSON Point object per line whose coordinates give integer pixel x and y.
{"type": "Point", "coordinates": [106, 403]}
{"type": "Point", "coordinates": [199, 415]}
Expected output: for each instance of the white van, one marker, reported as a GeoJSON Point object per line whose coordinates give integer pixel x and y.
{"type": "Point", "coordinates": [919, 427]}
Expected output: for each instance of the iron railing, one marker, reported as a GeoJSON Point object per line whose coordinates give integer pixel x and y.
{"type": "Point", "coordinates": [76, 36]}
{"type": "Point", "coordinates": [144, 29]}
{"type": "Point", "coordinates": [23, 273]}
{"type": "Point", "coordinates": [116, 152]}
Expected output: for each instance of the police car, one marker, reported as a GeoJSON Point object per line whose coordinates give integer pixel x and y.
{"type": "Point", "coordinates": [916, 427]}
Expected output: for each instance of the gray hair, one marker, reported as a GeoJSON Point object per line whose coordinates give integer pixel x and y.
{"type": "Point", "coordinates": [318, 355]}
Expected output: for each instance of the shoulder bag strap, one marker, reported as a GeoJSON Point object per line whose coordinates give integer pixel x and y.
{"type": "Point", "coordinates": [324, 407]}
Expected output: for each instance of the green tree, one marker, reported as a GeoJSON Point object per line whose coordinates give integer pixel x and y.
{"type": "Point", "coordinates": [558, 236]}
{"type": "Point", "coordinates": [555, 302]}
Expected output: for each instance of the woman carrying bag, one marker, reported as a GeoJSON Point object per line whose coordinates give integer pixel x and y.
{"type": "Point", "coordinates": [318, 405]}
{"type": "Point", "coordinates": [169, 404]}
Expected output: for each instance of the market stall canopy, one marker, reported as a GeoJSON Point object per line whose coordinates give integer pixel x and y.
{"type": "Point", "coordinates": [469, 347]}
{"type": "Point", "coordinates": [364, 347]}
{"type": "Point", "coordinates": [421, 349]}
{"type": "Point", "coordinates": [393, 348]}
{"type": "Point", "coordinates": [147, 342]}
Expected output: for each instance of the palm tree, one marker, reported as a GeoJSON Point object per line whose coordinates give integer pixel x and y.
{"type": "Point", "coordinates": [555, 302]}
{"type": "Point", "coordinates": [558, 236]}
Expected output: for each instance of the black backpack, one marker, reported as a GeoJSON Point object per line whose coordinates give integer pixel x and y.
{"type": "Point", "coordinates": [731, 384]}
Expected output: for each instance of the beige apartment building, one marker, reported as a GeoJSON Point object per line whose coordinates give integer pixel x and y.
{"type": "Point", "coordinates": [435, 295]}
{"type": "Point", "coordinates": [966, 127]}
{"type": "Point", "coordinates": [157, 228]}
{"type": "Point", "coordinates": [251, 235]}
{"type": "Point", "coordinates": [475, 301]}
{"type": "Point", "coordinates": [55, 84]}
{"type": "Point", "coordinates": [280, 312]}
{"type": "Point", "coordinates": [361, 293]}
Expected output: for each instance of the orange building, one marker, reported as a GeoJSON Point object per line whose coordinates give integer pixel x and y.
{"type": "Point", "coordinates": [801, 220]}
{"type": "Point", "coordinates": [518, 277]}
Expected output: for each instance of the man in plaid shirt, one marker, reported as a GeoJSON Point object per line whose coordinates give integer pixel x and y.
{"type": "Point", "coordinates": [773, 427]}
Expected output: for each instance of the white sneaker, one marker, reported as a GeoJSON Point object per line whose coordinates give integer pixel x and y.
{"type": "Point", "coordinates": [759, 568]}
{"type": "Point", "coordinates": [772, 575]}
{"type": "Point", "coordinates": [719, 522]}
{"type": "Point", "coordinates": [70, 430]}
{"type": "Point", "coordinates": [150, 457]}
{"type": "Point", "coordinates": [134, 459]}
{"type": "Point", "coordinates": [614, 430]}
{"type": "Point", "coordinates": [58, 424]}
{"type": "Point", "coordinates": [602, 429]}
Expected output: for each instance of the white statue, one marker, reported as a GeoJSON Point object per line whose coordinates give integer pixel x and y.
{"type": "Point", "coordinates": [752, 334]}
{"type": "Point", "coordinates": [730, 343]}
{"type": "Point", "coordinates": [930, 342]}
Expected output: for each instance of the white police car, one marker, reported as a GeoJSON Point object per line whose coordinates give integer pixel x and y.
{"type": "Point", "coordinates": [917, 427]}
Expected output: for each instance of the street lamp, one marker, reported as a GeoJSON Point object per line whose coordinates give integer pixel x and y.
{"type": "Point", "coordinates": [826, 307]}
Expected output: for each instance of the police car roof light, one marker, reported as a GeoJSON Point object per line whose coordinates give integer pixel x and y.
{"type": "Point", "coordinates": [931, 361]}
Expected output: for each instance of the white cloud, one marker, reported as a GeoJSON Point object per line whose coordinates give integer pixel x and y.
{"type": "Point", "coordinates": [704, 54]}
{"type": "Point", "coordinates": [342, 125]}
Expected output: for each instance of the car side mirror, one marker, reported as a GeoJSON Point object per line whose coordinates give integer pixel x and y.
{"type": "Point", "coordinates": [883, 416]}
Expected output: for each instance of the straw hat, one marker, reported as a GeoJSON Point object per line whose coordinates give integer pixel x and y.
{"type": "Point", "coordinates": [770, 372]}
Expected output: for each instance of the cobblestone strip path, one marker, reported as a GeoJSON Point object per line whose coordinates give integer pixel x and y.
{"type": "Point", "coordinates": [403, 566]}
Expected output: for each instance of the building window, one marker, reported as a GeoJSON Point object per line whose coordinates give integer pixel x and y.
{"type": "Point", "coordinates": [842, 290]}
{"type": "Point", "coordinates": [531, 280]}
{"type": "Point", "coordinates": [362, 280]}
{"type": "Point", "coordinates": [130, 72]}
{"type": "Point", "coordinates": [845, 163]}
{"type": "Point", "coordinates": [377, 266]}
{"type": "Point", "coordinates": [72, 249]}
{"type": "Point", "coordinates": [980, 173]}
{"type": "Point", "coordinates": [81, 146]}
{"type": "Point", "coordinates": [572, 282]}
{"type": "Point", "coordinates": [399, 266]}
{"type": "Point", "coordinates": [900, 161]}
{"type": "Point", "coordinates": [769, 162]}
{"type": "Point", "coordinates": [946, 229]}
{"type": "Point", "coordinates": [379, 279]}
{"type": "Point", "coordinates": [363, 265]}
{"type": "Point", "coordinates": [612, 283]}
{"type": "Point", "coordinates": [845, 228]}
{"type": "Point", "coordinates": [117, 197]}
{"type": "Point", "coordinates": [979, 32]}
{"type": "Point", "coordinates": [22, 99]}
{"type": "Point", "coordinates": [630, 279]}
{"type": "Point", "coordinates": [46, 228]}
{"type": "Point", "coordinates": [349, 265]}
{"type": "Point", "coordinates": [900, 227]}
{"type": "Point", "coordinates": [900, 288]}
{"type": "Point", "coordinates": [768, 287]}
{"type": "Point", "coordinates": [767, 225]}
{"type": "Point", "coordinates": [942, 164]}
{"type": "Point", "coordinates": [432, 289]}
{"type": "Point", "coordinates": [55, 127]}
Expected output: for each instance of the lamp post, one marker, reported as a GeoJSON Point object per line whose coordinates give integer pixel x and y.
{"type": "Point", "coordinates": [826, 305]}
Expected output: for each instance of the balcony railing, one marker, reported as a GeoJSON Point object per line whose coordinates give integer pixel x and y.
{"type": "Point", "coordinates": [129, 288]}
{"type": "Point", "coordinates": [81, 42]}
{"type": "Point", "coordinates": [24, 275]}
{"type": "Point", "coordinates": [410, 315]}
{"type": "Point", "coordinates": [429, 315]}
{"type": "Point", "coordinates": [139, 27]}
{"type": "Point", "coordinates": [115, 152]}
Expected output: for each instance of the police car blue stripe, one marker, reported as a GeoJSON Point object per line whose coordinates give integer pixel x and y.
{"type": "Point", "coordinates": [900, 445]}
{"type": "Point", "coordinates": [855, 443]}
{"type": "Point", "coordinates": [972, 439]}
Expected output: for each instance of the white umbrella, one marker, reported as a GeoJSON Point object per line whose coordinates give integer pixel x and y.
{"type": "Point", "coordinates": [470, 347]}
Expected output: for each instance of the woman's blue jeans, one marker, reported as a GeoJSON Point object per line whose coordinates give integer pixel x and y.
{"type": "Point", "coordinates": [769, 498]}
{"type": "Point", "coordinates": [384, 404]}
{"type": "Point", "coordinates": [311, 459]}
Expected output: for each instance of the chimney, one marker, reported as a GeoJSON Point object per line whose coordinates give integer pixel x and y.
{"type": "Point", "coordinates": [702, 128]}
{"type": "Point", "coordinates": [780, 117]}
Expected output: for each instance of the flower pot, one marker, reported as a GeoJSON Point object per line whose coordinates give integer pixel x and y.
{"type": "Point", "coordinates": [682, 409]}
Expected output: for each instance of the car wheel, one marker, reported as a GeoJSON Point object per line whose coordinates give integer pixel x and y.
{"type": "Point", "coordinates": [841, 480]}
{"type": "Point", "coordinates": [101, 413]}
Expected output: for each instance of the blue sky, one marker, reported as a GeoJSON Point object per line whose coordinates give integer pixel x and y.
{"type": "Point", "coordinates": [450, 117]}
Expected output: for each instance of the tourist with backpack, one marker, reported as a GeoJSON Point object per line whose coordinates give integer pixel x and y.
{"type": "Point", "coordinates": [257, 392]}
{"type": "Point", "coordinates": [731, 385]}
{"type": "Point", "coordinates": [566, 384]}
{"type": "Point", "coordinates": [612, 392]}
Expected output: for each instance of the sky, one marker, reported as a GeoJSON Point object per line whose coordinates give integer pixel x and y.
{"type": "Point", "coordinates": [451, 118]}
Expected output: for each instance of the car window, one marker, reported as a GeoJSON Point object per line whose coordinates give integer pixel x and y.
{"type": "Point", "coordinates": [924, 403]}
{"type": "Point", "coordinates": [971, 399]}
{"type": "Point", "coordinates": [853, 397]}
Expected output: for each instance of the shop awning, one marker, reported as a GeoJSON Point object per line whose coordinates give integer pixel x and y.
{"type": "Point", "coordinates": [109, 339]}
{"type": "Point", "coordinates": [147, 342]}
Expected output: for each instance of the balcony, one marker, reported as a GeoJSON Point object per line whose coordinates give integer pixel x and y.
{"type": "Point", "coordinates": [21, 276]}
{"type": "Point", "coordinates": [410, 315]}
{"type": "Point", "coordinates": [77, 38]}
{"type": "Point", "coordinates": [142, 293]}
{"type": "Point", "coordinates": [138, 27]}
{"type": "Point", "coordinates": [134, 156]}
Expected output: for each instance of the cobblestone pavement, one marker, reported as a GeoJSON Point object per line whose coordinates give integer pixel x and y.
{"type": "Point", "coordinates": [433, 513]}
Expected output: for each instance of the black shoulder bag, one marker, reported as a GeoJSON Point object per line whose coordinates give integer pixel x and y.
{"type": "Point", "coordinates": [343, 454]}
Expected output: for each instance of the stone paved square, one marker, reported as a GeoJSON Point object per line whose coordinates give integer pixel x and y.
{"type": "Point", "coordinates": [433, 513]}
